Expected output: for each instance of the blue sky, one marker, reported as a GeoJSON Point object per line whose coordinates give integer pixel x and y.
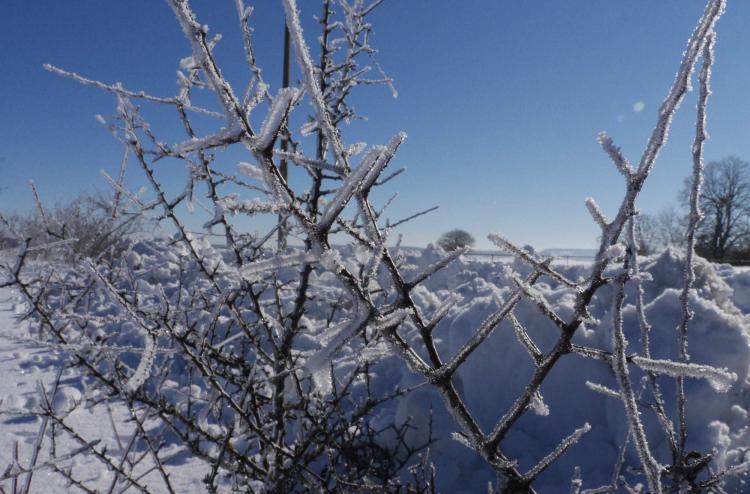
{"type": "Point", "coordinates": [502, 100]}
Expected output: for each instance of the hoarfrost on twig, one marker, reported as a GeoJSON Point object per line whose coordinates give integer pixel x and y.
{"type": "Point", "coordinates": [719, 379]}
{"type": "Point", "coordinates": [561, 448]}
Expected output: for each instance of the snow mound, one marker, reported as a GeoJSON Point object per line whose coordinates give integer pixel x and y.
{"type": "Point", "coordinates": [494, 375]}
{"type": "Point", "coordinates": [500, 369]}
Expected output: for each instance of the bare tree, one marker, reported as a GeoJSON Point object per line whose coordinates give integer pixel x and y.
{"type": "Point", "coordinates": [664, 229]}
{"type": "Point", "coordinates": [725, 202]}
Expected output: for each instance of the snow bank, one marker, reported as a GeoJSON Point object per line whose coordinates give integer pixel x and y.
{"type": "Point", "coordinates": [499, 370]}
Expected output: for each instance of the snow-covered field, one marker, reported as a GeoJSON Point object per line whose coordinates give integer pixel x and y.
{"type": "Point", "coordinates": [489, 382]}
{"type": "Point", "coordinates": [719, 335]}
{"type": "Point", "coordinates": [25, 367]}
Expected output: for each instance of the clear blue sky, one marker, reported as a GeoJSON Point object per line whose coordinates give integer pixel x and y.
{"type": "Point", "coordinates": [502, 100]}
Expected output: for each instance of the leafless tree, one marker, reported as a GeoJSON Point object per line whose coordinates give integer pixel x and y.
{"type": "Point", "coordinates": [725, 202]}
{"type": "Point", "coordinates": [664, 229]}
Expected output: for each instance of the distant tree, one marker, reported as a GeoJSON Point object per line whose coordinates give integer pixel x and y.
{"type": "Point", "coordinates": [664, 229]}
{"type": "Point", "coordinates": [725, 204]}
{"type": "Point", "coordinates": [88, 221]}
{"type": "Point", "coordinates": [646, 239]}
{"type": "Point", "coordinates": [6, 237]}
{"type": "Point", "coordinates": [455, 239]}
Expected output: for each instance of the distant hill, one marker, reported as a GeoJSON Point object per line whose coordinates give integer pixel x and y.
{"type": "Point", "coordinates": [551, 252]}
{"type": "Point", "coordinates": [561, 252]}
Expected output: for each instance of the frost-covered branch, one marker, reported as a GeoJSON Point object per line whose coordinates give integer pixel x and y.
{"type": "Point", "coordinates": [118, 89]}
{"type": "Point", "coordinates": [542, 266]}
{"type": "Point", "coordinates": [694, 218]}
{"type": "Point", "coordinates": [651, 467]}
{"type": "Point", "coordinates": [560, 450]}
{"type": "Point", "coordinates": [614, 152]}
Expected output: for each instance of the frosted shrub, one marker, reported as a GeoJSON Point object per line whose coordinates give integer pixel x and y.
{"type": "Point", "coordinates": [88, 225]}
{"type": "Point", "coordinates": [257, 357]}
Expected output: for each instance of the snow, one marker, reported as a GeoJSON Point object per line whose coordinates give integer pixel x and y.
{"type": "Point", "coordinates": [500, 368]}
{"type": "Point", "coordinates": [24, 367]}
{"type": "Point", "coordinates": [458, 298]}
{"type": "Point", "coordinates": [615, 252]}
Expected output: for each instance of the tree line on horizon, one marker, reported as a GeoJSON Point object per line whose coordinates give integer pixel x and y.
{"type": "Point", "coordinates": [723, 233]}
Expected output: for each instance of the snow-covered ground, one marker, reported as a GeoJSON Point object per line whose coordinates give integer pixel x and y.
{"type": "Point", "coordinates": [490, 381]}
{"type": "Point", "coordinates": [719, 336]}
{"type": "Point", "coordinates": [24, 367]}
